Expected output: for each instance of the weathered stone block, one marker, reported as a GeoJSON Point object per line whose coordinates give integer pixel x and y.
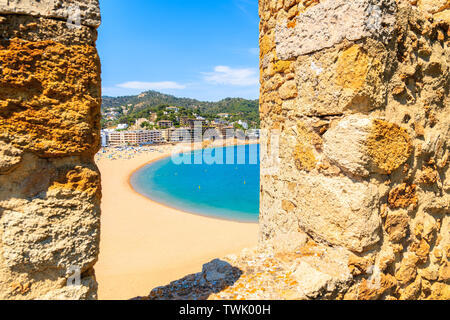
{"type": "Point", "coordinates": [347, 78]}
{"type": "Point", "coordinates": [87, 10]}
{"type": "Point", "coordinates": [333, 21]}
{"type": "Point", "coordinates": [35, 28]}
{"type": "Point", "coordinates": [361, 146]}
{"type": "Point", "coordinates": [50, 97]}
{"type": "Point", "coordinates": [349, 215]}
{"type": "Point", "coordinates": [344, 145]}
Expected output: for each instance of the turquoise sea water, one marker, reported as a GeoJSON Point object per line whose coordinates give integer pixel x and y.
{"type": "Point", "coordinates": [228, 191]}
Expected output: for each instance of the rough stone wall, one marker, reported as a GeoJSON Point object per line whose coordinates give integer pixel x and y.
{"type": "Point", "coordinates": [50, 97]}
{"type": "Point", "coordinates": [359, 90]}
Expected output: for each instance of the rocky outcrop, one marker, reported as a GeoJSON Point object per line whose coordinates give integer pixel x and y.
{"type": "Point", "coordinates": [50, 97]}
{"type": "Point", "coordinates": [359, 91]}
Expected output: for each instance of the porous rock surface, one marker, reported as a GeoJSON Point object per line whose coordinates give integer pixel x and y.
{"type": "Point", "coordinates": [88, 10]}
{"type": "Point", "coordinates": [50, 190]}
{"type": "Point", "coordinates": [359, 92]}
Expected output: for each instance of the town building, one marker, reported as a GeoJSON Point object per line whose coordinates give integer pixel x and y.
{"type": "Point", "coordinates": [138, 137]}
{"type": "Point", "coordinates": [104, 138]}
{"type": "Point", "coordinates": [184, 121]}
{"type": "Point", "coordinates": [185, 134]}
{"type": "Point", "coordinates": [254, 133]}
{"type": "Point", "coordinates": [195, 122]}
{"type": "Point", "coordinates": [227, 132]}
{"type": "Point", "coordinates": [219, 122]}
{"type": "Point", "coordinates": [165, 134]}
{"type": "Point", "coordinates": [163, 124]}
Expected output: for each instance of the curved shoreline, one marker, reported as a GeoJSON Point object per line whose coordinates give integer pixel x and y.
{"type": "Point", "coordinates": [145, 244]}
{"type": "Point", "coordinates": [165, 156]}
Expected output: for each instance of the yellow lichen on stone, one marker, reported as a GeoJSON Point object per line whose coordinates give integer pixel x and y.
{"type": "Point", "coordinates": [402, 196]}
{"type": "Point", "coordinates": [281, 66]}
{"type": "Point", "coordinates": [50, 97]}
{"type": "Point", "coordinates": [304, 156]}
{"type": "Point", "coordinates": [429, 176]}
{"type": "Point", "coordinates": [267, 44]}
{"type": "Point", "coordinates": [388, 145]}
{"type": "Point", "coordinates": [308, 135]}
{"type": "Point", "coordinates": [352, 68]}
{"type": "Point", "coordinates": [291, 24]}
{"type": "Point", "coordinates": [79, 179]}
{"type": "Point", "coordinates": [439, 291]}
{"type": "Point", "coordinates": [370, 289]}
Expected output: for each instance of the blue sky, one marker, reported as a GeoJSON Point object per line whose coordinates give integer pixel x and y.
{"type": "Point", "coordinates": [203, 49]}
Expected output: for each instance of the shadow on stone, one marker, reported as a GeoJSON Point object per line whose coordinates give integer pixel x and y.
{"type": "Point", "coordinates": [215, 277]}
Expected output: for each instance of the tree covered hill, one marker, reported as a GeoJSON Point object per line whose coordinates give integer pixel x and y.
{"type": "Point", "coordinates": [142, 104]}
{"type": "Point", "coordinates": [153, 99]}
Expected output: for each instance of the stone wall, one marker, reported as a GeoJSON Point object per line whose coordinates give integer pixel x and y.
{"type": "Point", "coordinates": [50, 97]}
{"type": "Point", "coordinates": [359, 91]}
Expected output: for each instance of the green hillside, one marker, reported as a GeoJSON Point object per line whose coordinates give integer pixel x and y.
{"type": "Point", "coordinates": [151, 101]}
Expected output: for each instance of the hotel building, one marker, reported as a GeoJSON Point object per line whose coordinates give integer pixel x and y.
{"type": "Point", "coordinates": [163, 124]}
{"type": "Point", "coordinates": [138, 137]}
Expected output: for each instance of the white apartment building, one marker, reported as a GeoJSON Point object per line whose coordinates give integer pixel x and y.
{"type": "Point", "coordinates": [138, 137]}
{"type": "Point", "coordinates": [104, 138]}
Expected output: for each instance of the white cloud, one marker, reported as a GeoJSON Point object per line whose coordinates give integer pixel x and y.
{"type": "Point", "coordinates": [151, 85]}
{"type": "Point", "coordinates": [235, 77]}
{"type": "Point", "coordinates": [254, 51]}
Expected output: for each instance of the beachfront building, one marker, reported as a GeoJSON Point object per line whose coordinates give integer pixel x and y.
{"type": "Point", "coordinates": [195, 122]}
{"type": "Point", "coordinates": [187, 134]}
{"type": "Point", "coordinates": [163, 124]}
{"type": "Point", "coordinates": [181, 135]}
{"type": "Point", "coordinates": [253, 133]}
{"type": "Point", "coordinates": [138, 137]}
{"type": "Point", "coordinates": [184, 121]}
{"type": "Point", "coordinates": [227, 132]}
{"type": "Point", "coordinates": [104, 138]}
{"type": "Point", "coordinates": [165, 134]}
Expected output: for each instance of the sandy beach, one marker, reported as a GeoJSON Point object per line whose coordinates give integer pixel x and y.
{"type": "Point", "coordinates": [145, 244]}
